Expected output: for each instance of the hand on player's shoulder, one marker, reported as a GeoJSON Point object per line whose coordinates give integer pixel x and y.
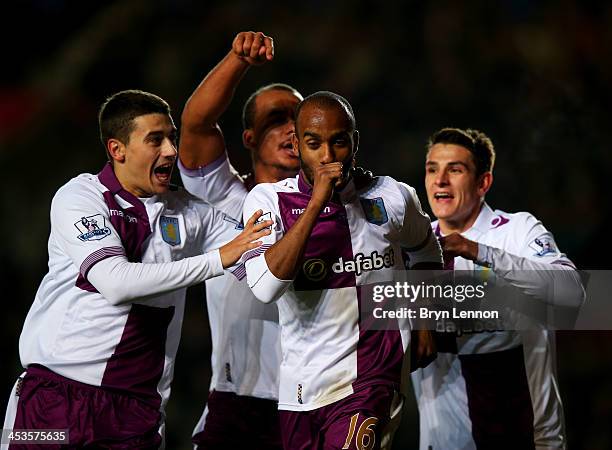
{"type": "Point", "coordinates": [248, 239]}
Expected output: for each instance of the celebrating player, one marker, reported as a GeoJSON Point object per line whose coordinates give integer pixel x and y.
{"type": "Point", "coordinates": [338, 383]}
{"type": "Point", "coordinates": [242, 408]}
{"type": "Point", "coordinates": [500, 391]}
{"type": "Point", "coordinates": [100, 339]}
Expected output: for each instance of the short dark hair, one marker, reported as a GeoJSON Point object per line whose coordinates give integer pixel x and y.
{"type": "Point", "coordinates": [476, 142]}
{"type": "Point", "coordinates": [248, 110]}
{"type": "Point", "coordinates": [117, 113]}
{"type": "Point", "coordinates": [328, 99]}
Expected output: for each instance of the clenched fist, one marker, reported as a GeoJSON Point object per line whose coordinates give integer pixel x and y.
{"type": "Point", "coordinates": [253, 47]}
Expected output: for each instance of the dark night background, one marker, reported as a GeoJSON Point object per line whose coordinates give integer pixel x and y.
{"type": "Point", "coordinates": [536, 76]}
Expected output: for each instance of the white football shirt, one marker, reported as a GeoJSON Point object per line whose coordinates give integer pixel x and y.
{"type": "Point", "coordinates": [357, 241]}
{"type": "Point", "coordinates": [74, 330]}
{"type": "Point", "coordinates": [245, 332]}
{"type": "Point", "coordinates": [449, 400]}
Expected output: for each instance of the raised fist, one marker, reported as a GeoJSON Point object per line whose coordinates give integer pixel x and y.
{"type": "Point", "coordinates": [253, 47]}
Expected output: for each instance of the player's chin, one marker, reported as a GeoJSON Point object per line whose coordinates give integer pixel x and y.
{"type": "Point", "coordinates": [291, 162]}
{"type": "Point", "coordinates": [439, 210]}
{"type": "Point", "coordinates": [288, 166]}
{"type": "Point", "coordinates": [443, 213]}
{"type": "Point", "coordinates": [160, 187]}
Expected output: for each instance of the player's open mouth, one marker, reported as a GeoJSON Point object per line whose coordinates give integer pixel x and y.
{"type": "Point", "coordinates": [287, 146]}
{"type": "Point", "coordinates": [163, 172]}
{"type": "Point", "coordinates": [442, 196]}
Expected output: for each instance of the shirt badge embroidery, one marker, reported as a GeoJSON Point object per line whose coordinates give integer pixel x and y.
{"type": "Point", "coordinates": [499, 221]}
{"type": "Point", "coordinates": [374, 209]}
{"type": "Point", "coordinates": [543, 246]}
{"type": "Point", "coordinates": [92, 228]}
{"type": "Point", "coordinates": [170, 230]}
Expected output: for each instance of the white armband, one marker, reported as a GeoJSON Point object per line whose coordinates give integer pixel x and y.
{"type": "Point", "coordinates": [264, 284]}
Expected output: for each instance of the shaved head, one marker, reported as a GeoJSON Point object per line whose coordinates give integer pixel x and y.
{"type": "Point", "coordinates": [327, 100]}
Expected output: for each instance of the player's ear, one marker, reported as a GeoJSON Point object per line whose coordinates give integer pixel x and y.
{"type": "Point", "coordinates": [484, 184]}
{"type": "Point", "coordinates": [296, 145]}
{"type": "Point", "coordinates": [248, 139]}
{"type": "Point", "coordinates": [355, 142]}
{"type": "Point", "coordinates": [116, 150]}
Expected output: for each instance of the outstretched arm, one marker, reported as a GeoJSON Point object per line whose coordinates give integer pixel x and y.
{"type": "Point", "coordinates": [201, 139]}
{"type": "Point", "coordinates": [121, 281]}
{"type": "Point", "coordinates": [555, 282]}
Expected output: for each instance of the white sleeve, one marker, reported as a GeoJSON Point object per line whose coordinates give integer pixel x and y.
{"type": "Point", "coordinates": [217, 183]}
{"type": "Point", "coordinates": [540, 270]}
{"type": "Point", "coordinates": [120, 281]}
{"type": "Point", "coordinates": [82, 229]}
{"type": "Point", "coordinates": [416, 236]}
{"type": "Point", "coordinates": [265, 286]}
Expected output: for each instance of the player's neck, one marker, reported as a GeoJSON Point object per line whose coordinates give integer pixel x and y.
{"type": "Point", "coordinates": [461, 225]}
{"type": "Point", "coordinates": [128, 184]}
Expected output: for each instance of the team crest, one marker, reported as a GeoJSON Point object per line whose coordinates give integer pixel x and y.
{"type": "Point", "coordinates": [543, 246]}
{"type": "Point", "coordinates": [170, 230]}
{"type": "Point", "coordinates": [92, 228]}
{"type": "Point", "coordinates": [374, 209]}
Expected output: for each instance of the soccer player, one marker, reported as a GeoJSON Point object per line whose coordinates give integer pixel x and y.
{"type": "Point", "coordinates": [498, 391]}
{"type": "Point", "coordinates": [332, 234]}
{"type": "Point", "coordinates": [242, 407]}
{"type": "Point", "coordinates": [100, 339]}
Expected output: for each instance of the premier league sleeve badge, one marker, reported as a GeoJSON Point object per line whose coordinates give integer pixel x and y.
{"type": "Point", "coordinates": [92, 228]}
